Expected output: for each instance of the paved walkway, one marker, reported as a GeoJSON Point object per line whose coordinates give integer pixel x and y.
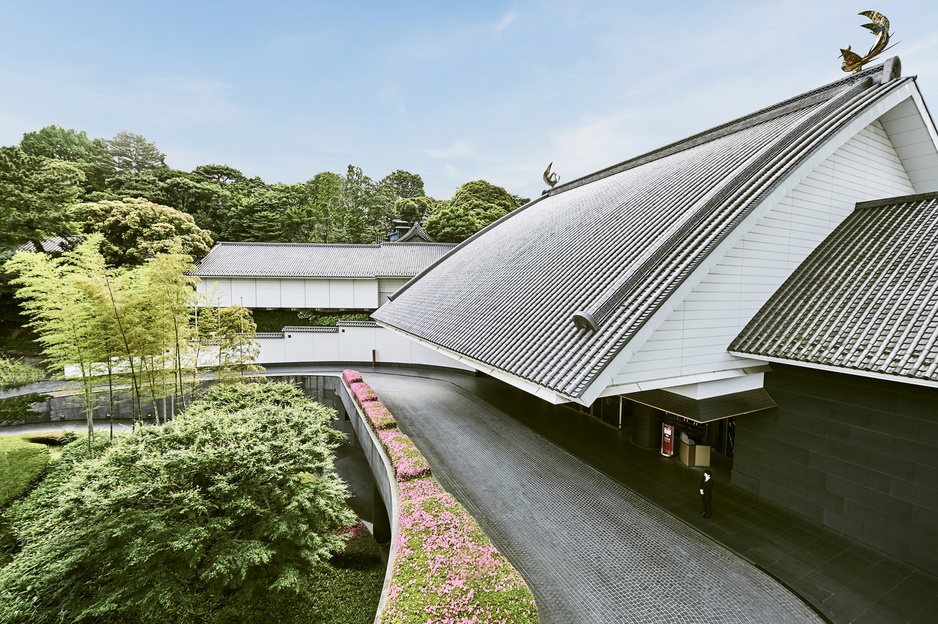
{"type": "Point", "coordinates": [591, 549]}
{"type": "Point", "coordinates": [843, 580]}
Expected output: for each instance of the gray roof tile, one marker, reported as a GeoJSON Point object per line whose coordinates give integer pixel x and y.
{"type": "Point", "coordinates": [614, 245]}
{"type": "Point", "coordinates": [319, 260]}
{"type": "Point", "coordinates": [866, 299]}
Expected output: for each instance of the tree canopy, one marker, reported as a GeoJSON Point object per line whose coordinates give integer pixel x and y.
{"type": "Point", "coordinates": [35, 195]}
{"type": "Point", "coordinates": [55, 167]}
{"type": "Point", "coordinates": [135, 230]}
{"type": "Point", "coordinates": [474, 206]}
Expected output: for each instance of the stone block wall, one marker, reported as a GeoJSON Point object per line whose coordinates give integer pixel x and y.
{"type": "Point", "coordinates": [857, 455]}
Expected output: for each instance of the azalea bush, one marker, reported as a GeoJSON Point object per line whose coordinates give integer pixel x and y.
{"type": "Point", "coordinates": [379, 415]}
{"type": "Point", "coordinates": [445, 569]}
{"type": "Point", "coordinates": [406, 459]}
{"type": "Point", "coordinates": [363, 392]}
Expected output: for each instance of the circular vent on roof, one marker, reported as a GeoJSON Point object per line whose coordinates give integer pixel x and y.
{"type": "Point", "coordinates": [585, 320]}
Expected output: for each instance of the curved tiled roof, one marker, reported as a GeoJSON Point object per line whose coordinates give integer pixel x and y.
{"type": "Point", "coordinates": [319, 260]}
{"type": "Point", "coordinates": [866, 299]}
{"type": "Point", "coordinates": [610, 248]}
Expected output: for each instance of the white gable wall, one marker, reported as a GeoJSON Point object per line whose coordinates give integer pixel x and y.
{"type": "Point", "coordinates": [693, 339]}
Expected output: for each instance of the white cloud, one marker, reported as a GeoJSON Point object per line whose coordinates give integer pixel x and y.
{"type": "Point", "coordinates": [506, 20]}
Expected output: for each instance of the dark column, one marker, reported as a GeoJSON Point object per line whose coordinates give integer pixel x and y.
{"type": "Point", "coordinates": [646, 426]}
{"type": "Point", "coordinates": [382, 525]}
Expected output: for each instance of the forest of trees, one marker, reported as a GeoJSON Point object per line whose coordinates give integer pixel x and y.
{"type": "Point", "coordinates": [59, 182]}
{"type": "Point", "coordinates": [59, 186]}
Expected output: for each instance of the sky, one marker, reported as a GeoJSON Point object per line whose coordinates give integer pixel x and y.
{"type": "Point", "coordinates": [452, 91]}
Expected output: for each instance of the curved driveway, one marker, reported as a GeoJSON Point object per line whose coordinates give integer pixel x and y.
{"type": "Point", "coordinates": [590, 549]}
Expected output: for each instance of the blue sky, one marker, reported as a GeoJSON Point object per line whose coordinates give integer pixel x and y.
{"type": "Point", "coordinates": [453, 91]}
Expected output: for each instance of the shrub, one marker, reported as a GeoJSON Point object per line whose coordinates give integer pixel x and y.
{"type": "Point", "coordinates": [446, 569]}
{"type": "Point", "coordinates": [407, 461]}
{"type": "Point", "coordinates": [195, 520]}
{"type": "Point", "coordinates": [363, 392]}
{"type": "Point", "coordinates": [379, 415]}
{"type": "Point", "coordinates": [351, 376]}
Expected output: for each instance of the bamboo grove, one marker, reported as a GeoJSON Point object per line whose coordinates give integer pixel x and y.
{"type": "Point", "coordinates": [138, 334]}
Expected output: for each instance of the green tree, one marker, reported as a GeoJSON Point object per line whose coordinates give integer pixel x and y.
{"type": "Point", "coordinates": [233, 503]}
{"type": "Point", "coordinates": [134, 154]}
{"type": "Point", "coordinates": [324, 204]}
{"type": "Point", "coordinates": [412, 209]}
{"type": "Point", "coordinates": [404, 184]}
{"type": "Point", "coordinates": [135, 230]}
{"type": "Point", "coordinates": [89, 155]}
{"type": "Point", "coordinates": [211, 194]}
{"type": "Point", "coordinates": [63, 312]}
{"type": "Point", "coordinates": [35, 194]}
{"type": "Point", "coordinates": [474, 206]}
{"type": "Point", "coordinates": [451, 223]}
{"type": "Point", "coordinates": [368, 208]}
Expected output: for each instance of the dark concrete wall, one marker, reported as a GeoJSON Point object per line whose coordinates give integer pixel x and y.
{"type": "Point", "coordinates": [857, 455]}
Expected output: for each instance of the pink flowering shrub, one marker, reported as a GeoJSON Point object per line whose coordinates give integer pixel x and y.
{"type": "Point", "coordinates": [379, 415]}
{"type": "Point", "coordinates": [363, 392]}
{"type": "Point", "coordinates": [446, 569]}
{"type": "Point", "coordinates": [351, 376]}
{"type": "Point", "coordinates": [407, 461]}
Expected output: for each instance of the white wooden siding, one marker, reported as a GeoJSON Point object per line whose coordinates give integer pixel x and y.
{"type": "Point", "coordinates": [388, 286]}
{"type": "Point", "coordinates": [317, 294]}
{"type": "Point", "coordinates": [694, 338]}
{"type": "Point", "coordinates": [268, 293]}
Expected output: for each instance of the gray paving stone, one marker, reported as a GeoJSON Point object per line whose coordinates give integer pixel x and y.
{"type": "Point", "coordinates": [591, 549]}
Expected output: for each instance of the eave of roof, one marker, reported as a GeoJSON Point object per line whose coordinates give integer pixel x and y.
{"type": "Point", "coordinates": [612, 246]}
{"type": "Point", "coordinates": [319, 260]}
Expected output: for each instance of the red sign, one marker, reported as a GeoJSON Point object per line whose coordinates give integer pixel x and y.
{"type": "Point", "coordinates": [667, 440]}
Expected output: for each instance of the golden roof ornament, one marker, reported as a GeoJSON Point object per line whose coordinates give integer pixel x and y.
{"type": "Point", "coordinates": [551, 179]}
{"type": "Point", "coordinates": [879, 26]}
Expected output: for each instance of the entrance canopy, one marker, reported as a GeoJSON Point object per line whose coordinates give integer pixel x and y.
{"type": "Point", "coordinates": [708, 409]}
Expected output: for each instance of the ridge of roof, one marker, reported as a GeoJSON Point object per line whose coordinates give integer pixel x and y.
{"type": "Point", "coordinates": [902, 199]}
{"type": "Point", "coordinates": [798, 102]}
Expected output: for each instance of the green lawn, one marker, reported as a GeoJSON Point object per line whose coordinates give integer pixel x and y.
{"type": "Point", "coordinates": [22, 464]}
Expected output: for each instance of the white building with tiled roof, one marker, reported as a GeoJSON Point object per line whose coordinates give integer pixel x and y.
{"type": "Point", "coordinates": [312, 276]}
{"type": "Point", "coordinates": [754, 278]}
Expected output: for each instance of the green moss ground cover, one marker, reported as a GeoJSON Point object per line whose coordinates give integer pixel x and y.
{"type": "Point", "coordinates": [22, 464]}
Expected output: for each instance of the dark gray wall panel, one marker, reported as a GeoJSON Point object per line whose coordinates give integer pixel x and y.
{"type": "Point", "coordinates": [858, 455]}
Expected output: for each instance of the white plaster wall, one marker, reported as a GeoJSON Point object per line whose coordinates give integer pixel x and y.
{"type": "Point", "coordinates": [351, 344]}
{"type": "Point", "coordinates": [271, 292]}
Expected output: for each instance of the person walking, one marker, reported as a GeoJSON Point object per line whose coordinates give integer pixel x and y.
{"type": "Point", "coordinates": [706, 493]}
